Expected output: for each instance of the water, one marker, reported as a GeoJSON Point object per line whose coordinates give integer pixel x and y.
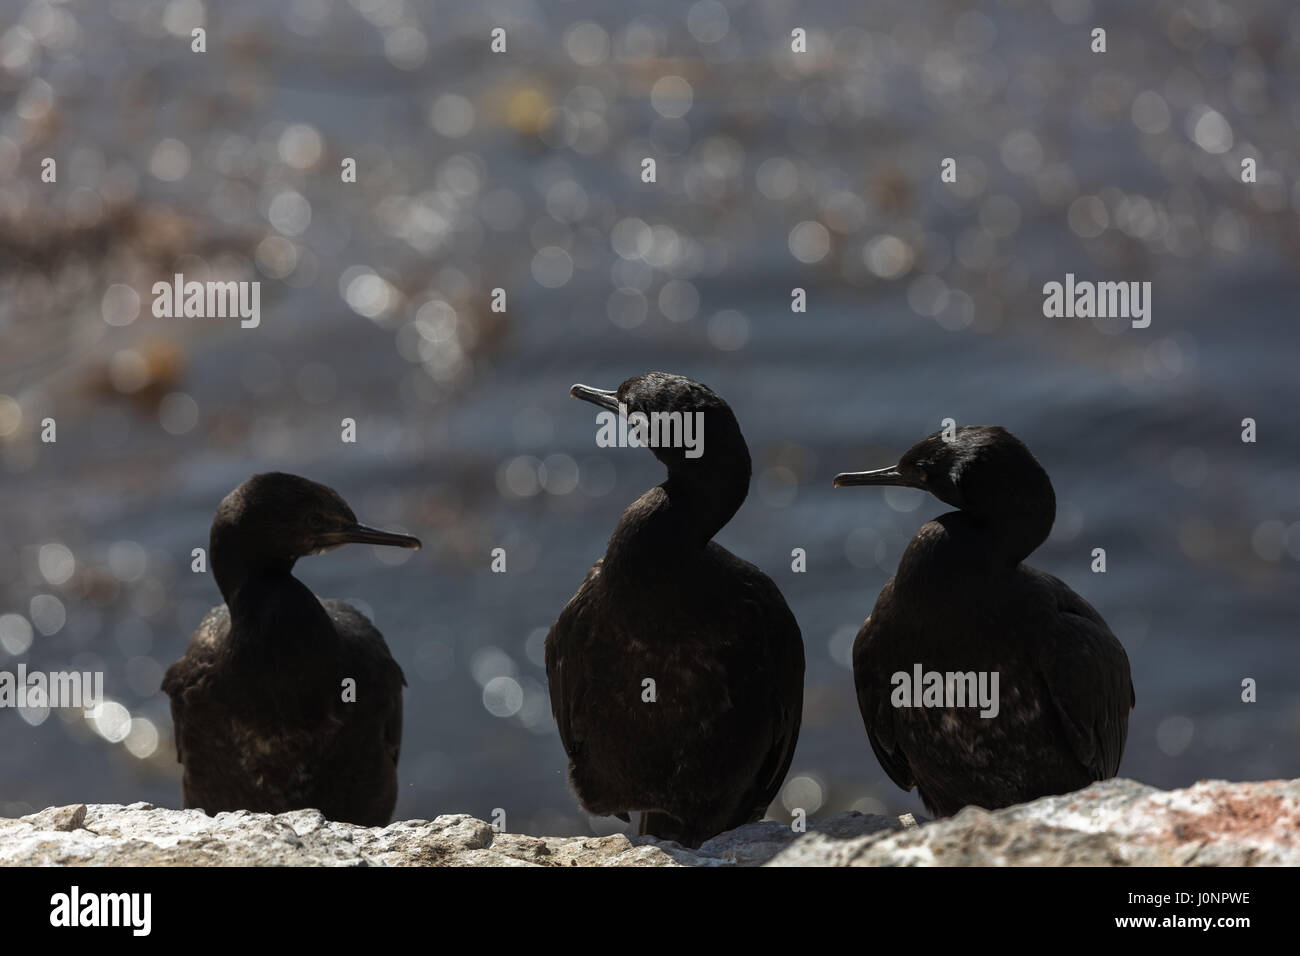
{"type": "Point", "coordinates": [467, 435]}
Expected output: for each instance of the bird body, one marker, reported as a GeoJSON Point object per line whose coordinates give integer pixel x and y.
{"type": "Point", "coordinates": [263, 716]}
{"type": "Point", "coordinates": [964, 602]}
{"type": "Point", "coordinates": [676, 671]}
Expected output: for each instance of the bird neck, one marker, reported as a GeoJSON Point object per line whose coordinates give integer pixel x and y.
{"type": "Point", "coordinates": [1013, 526]}
{"type": "Point", "coordinates": [677, 517]}
{"type": "Point", "coordinates": [278, 626]}
{"type": "Point", "coordinates": [237, 561]}
{"type": "Point", "coordinates": [706, 501]}
{"type": "Point", "coordinates": [261, 592]}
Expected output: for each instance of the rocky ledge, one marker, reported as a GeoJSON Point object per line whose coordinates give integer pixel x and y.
{"type": "Point", "coordinates": [1114, 823]}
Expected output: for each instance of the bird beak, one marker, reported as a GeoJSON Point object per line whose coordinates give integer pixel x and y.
{"type": "Point", "coordinates": [881, 476]}
{"type": "Point", "coordinates": [360, 534]}
{"type": "Point", "coordinates": [597, 396]}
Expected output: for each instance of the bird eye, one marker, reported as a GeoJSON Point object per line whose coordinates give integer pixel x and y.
{"type": "Point", "coordinates": [317, 522]}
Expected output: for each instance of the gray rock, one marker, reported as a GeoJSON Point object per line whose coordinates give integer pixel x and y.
{"type": "Point", "coordinates": [1114, 823]}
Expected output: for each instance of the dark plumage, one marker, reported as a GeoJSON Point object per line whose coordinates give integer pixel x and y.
{"type": "Point", "coordinates": [257, 700]}
{"type": "Point", "coordinates": [963, 601]}
{"type": "Point", "coordinates": [711, 630]}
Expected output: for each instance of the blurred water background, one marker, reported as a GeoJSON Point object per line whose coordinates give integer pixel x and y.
{"type": "Point", "coordinates": [522, 171]}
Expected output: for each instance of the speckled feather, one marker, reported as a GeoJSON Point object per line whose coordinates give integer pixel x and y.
{"type": "Point", "coordinates": [258, 698]}
{"type": "Point", "coordinates": [727, 658]}
{"type": "Point", "coordinates": [265, 728]}
{"type": "Point", "coordinates": [962, 602]}
{"type": "Point", "coordinates": [712, 631]}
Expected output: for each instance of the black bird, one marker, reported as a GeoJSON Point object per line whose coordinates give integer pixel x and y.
{"type": "Point", "coordinates": [263, 716]}
{"type": "Point", "coordinates": [666, 604]}
{"type": "Point", "coordinates": [963, 601]}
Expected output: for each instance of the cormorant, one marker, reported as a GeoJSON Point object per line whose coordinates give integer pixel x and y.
{"type": "Point", "coordinates": [963, 601]}
{"type": "Point", "coordinates": [263, 717]}
{"type": "Point", "coordinates": [676, 671]}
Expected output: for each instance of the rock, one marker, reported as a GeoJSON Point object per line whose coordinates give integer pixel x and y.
{"type": "Point", "coordinates": [1116, 822]}
{"type": "Point", "coordinates": [58, 818]}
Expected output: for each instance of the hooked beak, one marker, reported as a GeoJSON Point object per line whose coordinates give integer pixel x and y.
{"type": "Point", "coordinates": [360, 534]}
{"type": "Point", "coordinates": [880, 476]}
{"type": "Point", "coordinates": [597, 396]}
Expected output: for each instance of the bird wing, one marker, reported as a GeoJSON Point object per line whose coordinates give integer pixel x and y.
{"type": "Point", "coordinates": [563, 647]}
{"type": "Point", "coordinates": [367, 651]}
{"type": "Point", "coordinates": [393, 732]}
{"type": "Point", "coordinates": [172, 687]}
{"type": "Point", "coordinates": [783, 645]}
{"type": "Point", "coordinates": [193, 667]}
{"type": "Point", "coordinates": [873, 701]}
{"type": "Point", "coordinates": [1088, 678]}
